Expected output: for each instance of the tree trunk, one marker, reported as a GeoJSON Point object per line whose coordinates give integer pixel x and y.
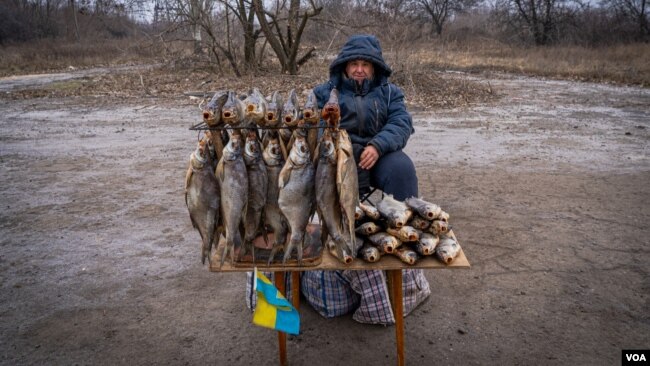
{"type": "Point", "coordinates": [76, 23]}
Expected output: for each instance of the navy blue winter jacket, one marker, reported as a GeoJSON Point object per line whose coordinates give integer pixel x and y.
{"type": "Point", "coordinates": [373, 113]}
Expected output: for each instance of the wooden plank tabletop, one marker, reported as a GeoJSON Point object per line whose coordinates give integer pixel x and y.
{"type": "Point", "coordinates": [328, 262]}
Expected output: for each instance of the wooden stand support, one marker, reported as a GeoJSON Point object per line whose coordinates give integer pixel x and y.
{"type": "Point", "coordinates": [282, 337]}
{"type": "Point", "coordinates": [392, 265]}
{"type": "Point", "coordinates": [397, 302]}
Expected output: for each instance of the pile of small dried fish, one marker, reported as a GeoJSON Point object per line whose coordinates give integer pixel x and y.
{"type": "Point", "coordinates": [408, 230]}
{"type": "Point", "coordinates": [261, 168]}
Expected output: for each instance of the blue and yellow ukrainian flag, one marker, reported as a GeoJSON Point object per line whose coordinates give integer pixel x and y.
{"type": "Point", "coordinates": [273, 310]}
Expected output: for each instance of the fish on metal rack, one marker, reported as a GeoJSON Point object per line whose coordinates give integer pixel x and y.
{"type": "Point", "coordinates": [406, 255]}
{"type": "Point", "coordinates": [385, 241]}
{"type": "Point", "coordinates": [202, 198]}
{"type": "Point", "coordinates": [419, 223]}
{"type": "Point", "coordinates": [257, 191]}
{"type": "Point", "coordinates": [214, 159]}
{"type": "Point", "coordinates": [290, 119]}
{"type": "Point", "coordinates": [370, 211]}
{"type": "Point", "coordinates": [395, 212]}
{"type": "Point", "coordinates": [331, 112]}
{"type": "Point", "coordinates": [255, 107]}
{"type": "Point", "coordinates": [310, 118]}
{"type": "Point", "coordinates": [327, 202]}
{"type": "Point", "coordinates": [232, 112]}
{"type": "Point", "coordinates": [347, 184]}
{"type": "Point", "coordinates": [447, 249]}
{"type": "Point", "coordinates": [427, 210]}
{"type": "Point", "coordinates": [212, 111]}
{"type": "Point", "coordinates": [290, 115]}
{"type": "Point", "coordinates": [427, 243]}
{"type": "Point", "coordinates": [273, 217]}
{"type": "Point", "coordinates": [273, 110]}
{"type": "Point", "coordinates": [310, 113]}
{"type": "Point", "coordinates": [405, 233]}
{"type": "Point", "coordinates": [212, 118]}
{"type": "Point", "coordinates": [233, 178]}
{"type": "Point", "coordinates": [367, 228]}
{"type": "Point", "coordinates": [296, 197]}
{"type": "Point", "coordinates": [272, 119]}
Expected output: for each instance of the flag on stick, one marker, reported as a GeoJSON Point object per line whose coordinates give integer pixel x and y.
{"type": "Point", "coordinates": [273, 310]}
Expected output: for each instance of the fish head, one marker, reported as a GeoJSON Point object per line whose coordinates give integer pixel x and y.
{"type": "Point", "coordinates": [255, 106]}
{"type": "Point", "coordinates": [290, 110]}
{"type": "Point", "coordinates": [398, 220]}
{"type": "Point", "coordinates": [208, 140]}
{"type": "Point", "coordinates": [212, 111]}
{"type": "Point", "coordinates": [411, 257]}
{"type": "Point", "coordinates": [310, 110]}
{"type": "Point", "coordinates": [200, 155]}
{"type": "Point", "coordinates": [234, 148]}
{"type": "Point", "coordinates": [251, 148]}
{"type": "Point", "coordinates": [233, 110]}
{"type": "Point", "coordinates": [273, 110]}
{"type": "Point", "coordinates": [273, 153]}
{"type": "Point", "coordinates": [300, 150]}
{"type": "Point", "coordinates": [410, 233]}
{"type": "Point", "coordinates": [327, 148]}
{"type": "Point", "coordinates": [331, 111]}
{"type": "Point", "coordinates": [447, 250]}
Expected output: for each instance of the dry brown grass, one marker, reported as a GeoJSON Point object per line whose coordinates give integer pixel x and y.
{"type": "Point", "coordinates": [48, 55]}
{"type": "Point", "coordinates": [626, 64]}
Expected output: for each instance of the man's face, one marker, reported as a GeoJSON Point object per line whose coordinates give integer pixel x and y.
{"type": "Point", "coordinates": [359, 70]}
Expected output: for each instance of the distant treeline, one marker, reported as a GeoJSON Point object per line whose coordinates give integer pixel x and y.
{"type": "Point", "coordinates": [238, 34]}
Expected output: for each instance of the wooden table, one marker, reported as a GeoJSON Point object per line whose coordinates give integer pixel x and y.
{"type": "Point", "coordinates": [391, 264]}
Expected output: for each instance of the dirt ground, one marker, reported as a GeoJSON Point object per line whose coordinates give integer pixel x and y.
{"type": "Point", "coordinates": [547, 187]}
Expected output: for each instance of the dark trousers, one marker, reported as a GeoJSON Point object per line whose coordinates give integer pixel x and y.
{"type": "Point", "coordinates": [394, 173]}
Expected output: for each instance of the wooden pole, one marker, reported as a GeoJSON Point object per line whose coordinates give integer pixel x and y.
{"type": "Point", "coordinates": [395, 276]}
{"type": "Point", "coordinates": [295, 289]}
{"type": "Point", "coordinates": [282, 337]}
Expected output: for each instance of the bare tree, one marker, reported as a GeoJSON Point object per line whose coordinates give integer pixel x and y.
{"type": "Point", "coordinates": [245, 13]}
{"type": "Point", "coordinates": [635, 11]}
{"type": "Point", "coordinates": [286, 44]}
{"type": "Point", "coordinates": [440, 11]}
{"type": "Point", "coordinates": [539, 19]}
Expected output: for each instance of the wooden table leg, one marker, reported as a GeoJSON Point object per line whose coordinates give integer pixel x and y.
{"type": "Point", "coordinates": [282, 337]}
{"type": "Point", "coordinates": [295, 289]}
{"type": "Point", "coordinates": [398, 311]}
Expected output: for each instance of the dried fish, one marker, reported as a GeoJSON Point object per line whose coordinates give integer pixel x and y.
{"type": "Point", "coordinates": [408, 256]}
{"type": "Point", "coordinates": [395, 212]}
{"type": "Point", "coordinates": [257, 191]}
{"type": "Point", "coordinates": [426, 244]}
{"type": "Point", "coordinates": [447, 249]}
{"type": "Point", "coordinates": [385, 241]}
{"type": "Point", "coordinates": [273, 217]}
{"type": "Point", "coordinates": [367, 228]}
{"type": "Point", "coordinates": [232, 174]}
{"type": "Point", "coordinates": [405, 233]}
{"type": "Point", "coordinates": [425, 209]}
{"type": "Point", "coordinates": [347, 184]}
{"type": "Point", "coordinates": [296, 198]}
{"type": "Point", "coordinates": [327, 201]}
{"type": "Point", "coordinates": [202, 198]}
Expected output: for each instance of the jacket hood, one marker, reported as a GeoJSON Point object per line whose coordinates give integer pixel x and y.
{"type": "Point", "coordinates": [364, 47]}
